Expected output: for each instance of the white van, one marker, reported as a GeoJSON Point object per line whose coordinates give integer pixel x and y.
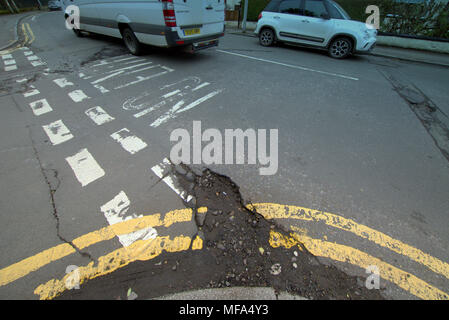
{"type": "Point", "coordinates": [164, 23]}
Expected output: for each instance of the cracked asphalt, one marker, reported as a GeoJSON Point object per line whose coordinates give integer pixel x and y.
{"type": "Point", "coordinates": [362, 175]}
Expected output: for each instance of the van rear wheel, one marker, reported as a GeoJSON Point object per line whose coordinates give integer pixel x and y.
{"type": "Point", "coordinates": [131, 42]}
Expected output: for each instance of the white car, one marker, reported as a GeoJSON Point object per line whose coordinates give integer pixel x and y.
{"type": "Point", "coordinates": [316, 23]}
{"type": "Point", "coordinates": [163, 23]}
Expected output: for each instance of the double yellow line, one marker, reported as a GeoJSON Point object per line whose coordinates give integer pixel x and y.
{"type": "Point", "coordinates": [28, 34]}
{"type": "Point", "coordinates": [149, 249]}
{"type": "Point", "coordinates": [29, 38]}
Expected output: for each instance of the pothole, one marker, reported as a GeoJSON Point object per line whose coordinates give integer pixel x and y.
{"type": "Point", "coordinates": [236, 253]}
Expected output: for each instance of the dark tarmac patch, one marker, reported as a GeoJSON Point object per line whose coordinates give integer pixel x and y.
{"type": "Point", "coordinates": [105, 52]}
{"type": "Point", "coordinates": [236, 252]}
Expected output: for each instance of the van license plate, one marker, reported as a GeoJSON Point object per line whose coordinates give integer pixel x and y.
{"type": "Point", "coordinates": [191, 32]}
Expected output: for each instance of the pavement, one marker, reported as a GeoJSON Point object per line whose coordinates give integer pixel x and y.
{"type": "Point", "coordinates": [234, 293]}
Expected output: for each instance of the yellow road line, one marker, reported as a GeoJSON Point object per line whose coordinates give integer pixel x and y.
{"type": "Point", "coordinates": [33, 263]}
{"type": "Point", "coordinates": [140, 250]}
{"type": "Point", "coordinates": [278, 211]}
{"type": "Point", "coordinates": [25, 34]}
{"type": "Point", "coordinates": [30, 33]}
{"type": "Point", "coordinates": [342, 253]}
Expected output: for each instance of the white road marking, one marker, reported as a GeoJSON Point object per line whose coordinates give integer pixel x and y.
{"type": "Point", "coordinates": [98, 115]}
{"type": "Point", "coordinates": [159, 170]}
{"type": "Point", "coordinates": [62, 82]}
{"type": "Point", "coordinates": [78, 95]}
{"type": "Point", "coordinates": [201, 86]}
{"type": "Point", "coordinates": [28, 53]}
{"type": "Point", "coordinates": [33, 91]}
{"type": "Point", "coordinates": [24, 48]}
{"type": "Point", "coordinates": [140, 78]}
{"type": "Point", "coordinates": [129, 142]}
{"type": "Point", "coordinates": [7, 56]}
{"type": "Point", "coordinates": [167, 95]}
{"type": "Point", "coordinates": [22, 80]}
{"type": "Point", "coordinates": [40, 107]}
{"type": "Point", "coordinates": [168, 115]}
{"type": "Point", "coordinates": [10, 68]}
{"type": "Point", "coordinates": [290, 65]}
{"type": "Point", "coordinates": [116, 210]}
{"type": "Point", "coordinates": [57, 132]}
{"type": "Point", "coordinates": [33, 58]}
{"type": "Point", "coordinates": [200, 100]}
{"type": "Point", "coordinates": [9, 62]}
{"type": "Point", "coordinates": [101, 88]}
{"type": "Point", "coordinates": [85, 167]}
{"type": "Point", "coordinates": [172, 113]}
{"type": "Point", "coordinates": [125, 59]}
{"type": "Point", "coordinates": [150, 109]}
{"type": "Point", "coordinates": [107, 77]}
{"type": "Point", "coordinates": [37, 63]}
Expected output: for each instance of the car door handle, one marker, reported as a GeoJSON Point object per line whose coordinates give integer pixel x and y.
{"type": "Point", "coordinates": [305, 21]}
{"type": "Point", "coordinates": [276, 17]}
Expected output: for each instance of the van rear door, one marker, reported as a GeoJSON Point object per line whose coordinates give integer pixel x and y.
{"type": "Point", "coordinates": [199, 17]}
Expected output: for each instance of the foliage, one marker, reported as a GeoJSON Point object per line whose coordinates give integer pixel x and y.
{"type": "Point", "coordinates": [429, 18]}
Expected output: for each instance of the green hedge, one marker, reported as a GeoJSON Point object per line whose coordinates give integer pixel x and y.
{"type": "Point", "coordinates": [355, 8]}
{"type": "Point", "coordinates": [254, 8]}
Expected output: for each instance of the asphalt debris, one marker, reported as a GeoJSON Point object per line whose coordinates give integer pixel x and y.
{"type": "Point", "coordinates": [236, 252]}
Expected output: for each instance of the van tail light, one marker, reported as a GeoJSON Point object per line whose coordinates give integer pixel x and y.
{"type": "Point", "coordinates": [168, 9]}
{"type": "Point", "coordinates": [259, 17]}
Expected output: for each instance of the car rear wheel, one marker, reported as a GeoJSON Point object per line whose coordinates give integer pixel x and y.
{"type": "Point", "coordinates": [131, 42]}
{"type": "Point", "coordinates": [340, 48]}
{"type": "Point", "coordinates": [266, 37]}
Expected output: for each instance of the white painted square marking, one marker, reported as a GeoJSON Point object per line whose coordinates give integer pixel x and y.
{"type": "Point", "coordinates": [78, 95]}
{"type": "Point", "coordinates": [28, 53]}
{"type": "Point", "coordinates": [62, 82]}
{"type": "Point", "coordinates": [57, 132]}
{"type": "Point", "coordinates": [40, 107]}
{"type": "Point", "coordinates": [98, 115]}
{"type": "Point", "coordinates": [6, 56]}
{"type": "Point", "coordinates": [33, 58]}
{"type": "Point", "coordinates": [129, 142]}
{"type": "Point", "coordinates": [85, 167]}
{"type": "Point", "coordinates": [116, 211]}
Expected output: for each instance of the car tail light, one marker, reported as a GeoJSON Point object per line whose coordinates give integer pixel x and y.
{"type": "Point", "coordinates": [259, 17]}
{"type": "Point", "coordinates": [168, 9]}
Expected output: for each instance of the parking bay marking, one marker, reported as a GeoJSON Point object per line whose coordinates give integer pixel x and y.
{"type": "Point", "coordinates": [290, 65]}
